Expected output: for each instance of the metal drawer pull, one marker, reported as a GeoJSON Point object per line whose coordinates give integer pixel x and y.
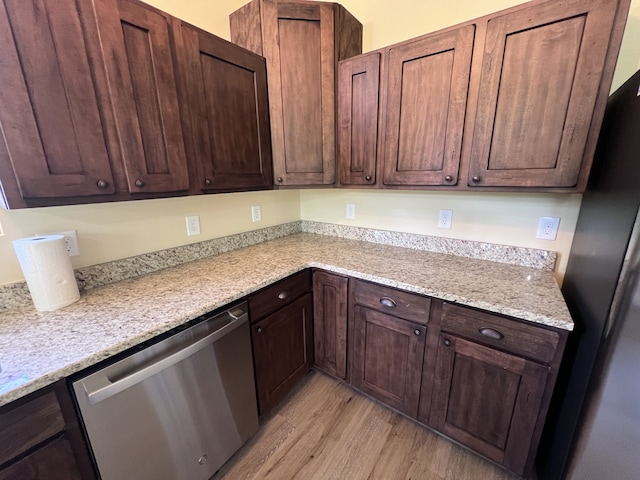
{"type": "Point", "coordinates": [447, 342]}
{"type": "Point", "coordinates": [417, 332]}
{"type": "Point", "coordinates": [388, 302]}
{"type": "Point", "coordinates": [491, 333]}
{"type": "Point", "coordinates": [283, 295]}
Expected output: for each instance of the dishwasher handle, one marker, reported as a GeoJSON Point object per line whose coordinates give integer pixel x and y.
{"type": "Point", "coordinates": [98, 387]}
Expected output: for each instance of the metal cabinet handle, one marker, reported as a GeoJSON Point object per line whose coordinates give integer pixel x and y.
{"type": "Point", "coordinates": [417, 332]}
{"type": "Point", "coordinates": [139, 183]}
{"type": "Point", "coordinates": [259, 329]}
{"type": "Point", "coordinates": [448, 178]}
{"type": "Point", "coordinates": [388, 302]}
{"type": "Point", "coordinates": [476, 179]}
{"type": "Point", "coordinates": [367, 178]}
{"type": "Point", "coordinates": [283, 295]}
{"type": "Point", "coordinates": [491, 333]}
{"type": "Point", "coordinates": [279, 179]}
{"type": "Point", "coordinates": [207, 181]}
{"type": "Point", "coordinates": [447, 342]}
{"type": "Point", "coordinates": [102, 184]}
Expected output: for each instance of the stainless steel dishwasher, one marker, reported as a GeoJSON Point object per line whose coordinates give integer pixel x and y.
{"type": "Point", "coordinates": [177, 409]}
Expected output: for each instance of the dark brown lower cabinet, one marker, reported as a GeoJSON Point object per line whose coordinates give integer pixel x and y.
{"type": "Point", "coordinates": [487, 400]}
{"type": "Point", "coordinates": [330, 323]}
{"type": "Point", "coordinates": [53, 461]}
{"type": "Point", "coordinates": [282, 350]}
{"type": "Point", "coordinates": [387, 358]}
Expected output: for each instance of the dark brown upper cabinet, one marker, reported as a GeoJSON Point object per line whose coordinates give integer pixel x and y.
{"type": "Point", "coordinates": [138, 50]}
{"type": "Point", "coordinates": [302, 43]}
{"type": "Point", "coordinates": [229, 142]}
{"type": "Point", "coordinates": [54, 136]}
{"type": "Point", "coordinates": [510, 101]}
{"type": "Point", "coordinates": [542, 74]}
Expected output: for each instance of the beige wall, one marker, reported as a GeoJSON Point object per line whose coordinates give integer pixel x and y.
{"type": "Point", "coordinates": [111, 231]}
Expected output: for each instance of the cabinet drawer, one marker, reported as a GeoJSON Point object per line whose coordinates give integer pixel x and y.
{"type": "Point", "coordinates": [29, 424]}
{"type": "Point", "coordinates": [54, 460]}
{"type": "Point", "coordinates": [509, 335]}
{"type": "Point", "coordinates": [408, 306]}
{"type": "Point", "coordinates": [281, 293]}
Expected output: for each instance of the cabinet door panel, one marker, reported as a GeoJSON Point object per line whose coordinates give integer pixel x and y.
{"type": "Point", "coordinates": [50, 115]}
{"type": "Point", "coordinates": [55, 460]}
{"type": "Point", "coordinates": [227, 97]}
{"type": "Point", "coordinates": [358, 110]}
{"type": "Point", "coordinates": [540, 77]}
{"type": "Point", "coordinates": [138, 49]}
{"type": "Point", "coordinates": [387, 358]}
{"type": "Point", "coordinates": [330, 322]}
{"type": "Point", "coordinates": [283, 350]}
{"type": "Point", "coordinates": [487, 400]}
{"type": "Point", "coordinates": [425, 108]}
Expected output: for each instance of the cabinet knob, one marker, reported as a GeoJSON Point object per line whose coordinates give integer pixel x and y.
{"type": "Point", "coordinates": [491, 333]}
{"type": "Point", "coordinates": [207, 181]}
{"type": "Point", "coordinates": [259, 330]}
{"type": "Point", "coordinates": [417, 332]}
{"type": "Point", "coordinates": [476, 179]}
{"type": "Point", "coordinates": [448, 178]}
{"type": "Point", "coordinates": [283, 295]}
{"type": "Point", "coordinates": [279, 179]}
{"type": "Point", "coordinates": [447, 342]}
{"type": "Point", "coordinates": [368, 178]}
{"type": "Point", "coordinates": [388, 302]}
{"type": "Point", "coordinates": [139, 183]}
{"type": "Point", "coordinates": [102, 184]}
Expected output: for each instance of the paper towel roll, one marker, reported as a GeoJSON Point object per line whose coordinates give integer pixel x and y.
{"type": "Point", "coordinates": [47, 268]}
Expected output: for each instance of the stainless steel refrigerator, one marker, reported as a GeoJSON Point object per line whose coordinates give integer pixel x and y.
{"type": "Point", "coordinates": [593, 430]}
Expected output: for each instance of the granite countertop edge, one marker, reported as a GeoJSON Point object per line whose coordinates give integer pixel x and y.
{"type": "Point", "coordinates": [106, 336]}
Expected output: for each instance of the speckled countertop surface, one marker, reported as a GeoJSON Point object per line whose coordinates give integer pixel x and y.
{"type": "Point", "coordinates": [38, 348]}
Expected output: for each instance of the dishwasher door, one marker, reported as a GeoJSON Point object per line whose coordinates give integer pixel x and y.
{"type": "Point", "coordinates": [176, 410]}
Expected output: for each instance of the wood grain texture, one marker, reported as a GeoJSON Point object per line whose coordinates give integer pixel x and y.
{"type": "Point", "coordinates": [330, 296]}
{"type": "Point", "coordinates": [282, 350]}
{"type": "Point", "coordinates": [245, 26]}
{"type": "Point", "coordinates": [227, 118]}
{"type": "Point", "coordinates": [532, 128]}
{"type": "Point", "coordinates": [406, 305]}
{"type": "Point", "coordinates": [55, 461]}
{"type": "Point", "coordinates": [326, 430]}
{"type": "Point", "coordinates": [425, 108]}
{"type": "Point", "coordinates": [358, 114]}
{"type": "Point", "coordinates": [279, 294]}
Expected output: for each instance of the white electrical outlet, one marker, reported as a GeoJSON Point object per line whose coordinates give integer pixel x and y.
{"type": "Point", "coordinates": [351, 211]}
{"type": "Point", "coordinates": [444, 218]}
{"type": "Point", "coordinates": [548, 228]}
{"type": "Point", "coordinates": [193, 225]}
{"type": "Point", "coordinates": [71, 239]}
{"type": "Point", "coordinates": [256, 213]}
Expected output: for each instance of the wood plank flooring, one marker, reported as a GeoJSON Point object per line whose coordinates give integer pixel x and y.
{"type": "Point", "coordinates": [325, 430]}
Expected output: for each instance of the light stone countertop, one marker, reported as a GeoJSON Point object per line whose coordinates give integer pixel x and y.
{"type": "Point", "coordinates": [38, 348]}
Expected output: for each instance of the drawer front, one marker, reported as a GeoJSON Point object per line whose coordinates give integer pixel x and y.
{"type": "Point", "coordinates": [408, 306]}
{"type": "Point", "coordinates": [509, 335]}
{"type": "Point", "coordinates": [29, 424]}
{"type": "Point", "coordinates": [281, 293]}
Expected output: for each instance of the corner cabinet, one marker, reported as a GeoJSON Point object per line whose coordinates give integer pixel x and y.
{"type": "Point", "coordinates": [229, 141]}
{"type": "Point", "coordinates": [302, 43]}
{"type": "Point", "coordinates": [511, 101]}
{"type": "Point", "coordinates": [282, 337]}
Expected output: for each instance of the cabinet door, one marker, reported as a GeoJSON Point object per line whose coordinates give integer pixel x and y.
{"type": "Point", "coordinates": [426, 102]}
{"type": "Point", "coordinates": [55, 460]}
{"type": "Point", "coordinates": [282, 351]}
{"type": "Point", "coordinates": [487, 400]}
{"type": "Point", "coordinates": [358, 112]}
{"type": "Point", "coordinates": [541, 73]}
{"type": "Point", "coordinates": [49, 110]}
{"type": "Point", "coordinates": [138, 51]}
{"type": "Point", "coordinates": [229, 112]}
{"type": "Point", "coordinates": [330, 322]}
{"type": "Point", "coordinates": [387, 358]}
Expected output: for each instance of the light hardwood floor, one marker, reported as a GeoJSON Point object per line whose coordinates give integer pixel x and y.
{"type": "Point", "coordinates": [325, 430]}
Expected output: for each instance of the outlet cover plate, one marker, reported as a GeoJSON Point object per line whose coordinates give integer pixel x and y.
{"type": "Point", "coordinates": [548, 228]}
{"type": "Point", "coordinates": [444, 218]}
{"type": "Point", "coordinates": [351, 211]}
{"type": "Point", "coordinates": [193, 225]}
{"type": "Point", "coordinates": [71, 239]}
{"type": "Point", "coordinates": [256, 213]}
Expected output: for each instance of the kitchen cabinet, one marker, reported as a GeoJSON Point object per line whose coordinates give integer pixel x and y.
{"type": "Point", "coordinates": [282, 337]}
{"type": "Point", "coordinates": [330, 296]}
{"type": "Point", "coordinates": [388, 337]}
{"type": "Point", "coordinates": [302, 43]}
{"type": "Point", "coordinates": [227, 115]}
{"type": "Point", "coordinates": [492, 383]}
{"type": "Point", "coordinates": [467, 107]}
{"type": "Point", "coordinates": [40, 438]}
